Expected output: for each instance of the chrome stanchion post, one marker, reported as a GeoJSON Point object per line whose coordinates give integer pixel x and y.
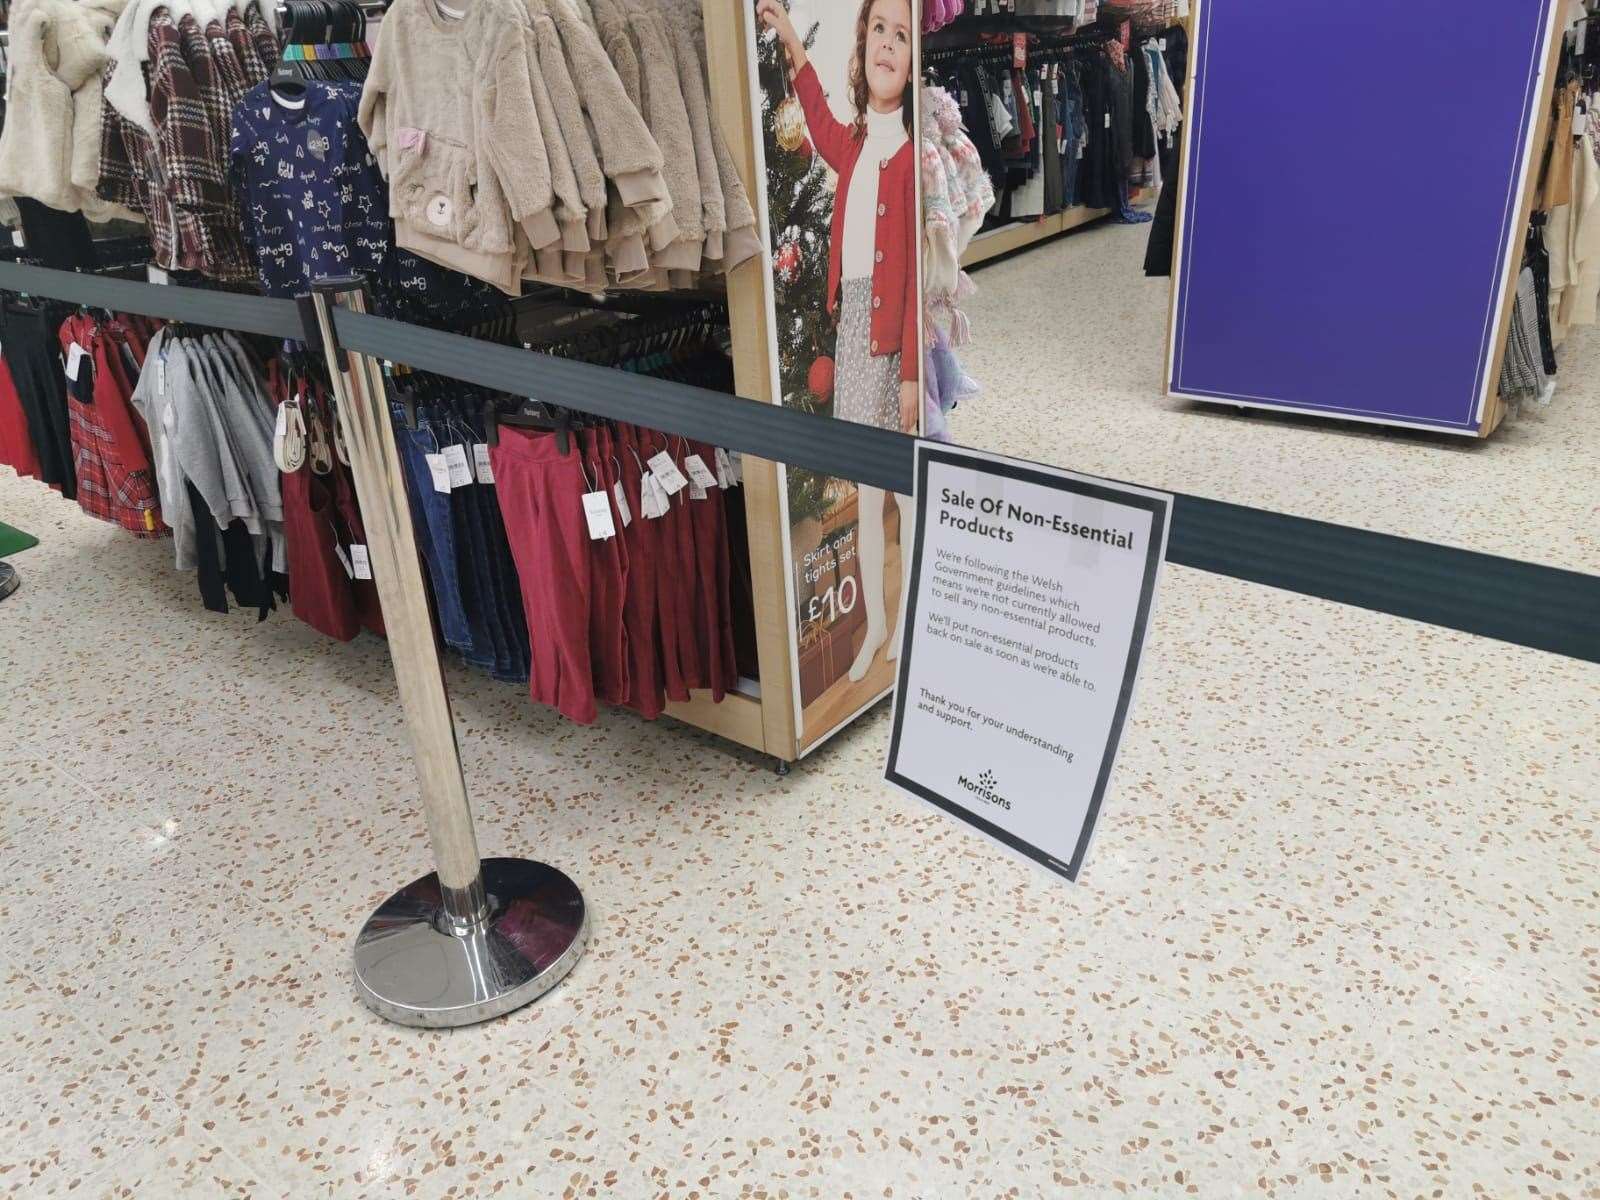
{"type": "Point", "coordinates": [476, 938]}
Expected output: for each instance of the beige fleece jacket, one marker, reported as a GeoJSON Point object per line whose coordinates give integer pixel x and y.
{"type": "Point", "coordinates": [693, 86]}
{"type": "Point", "coordinates": [629, 155]}
{"type": "Point", "coordinates": [731, 233]}
{"type": "Point", "coordinates": [626, 251]}
{"type": "Point", "coordinates": [448, 110]}
{"type": "Point", "coordinates": [50, 147]}
{"type": "Point", "coordinates": [549, 65]}
{"type": "Point", "coordinates": [668, 117]}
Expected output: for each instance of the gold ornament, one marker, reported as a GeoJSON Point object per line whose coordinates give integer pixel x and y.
{"type": "Point", "coordinates": [789, 124]}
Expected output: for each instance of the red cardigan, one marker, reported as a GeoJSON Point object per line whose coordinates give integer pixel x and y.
{"type": "Point", "coordinates": [895, 300]}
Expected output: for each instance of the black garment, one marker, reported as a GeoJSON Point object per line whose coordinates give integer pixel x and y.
{"type": "Point", "coordinates": [33, 352]}
{"type": "Point", "coordinates": [1142, 128]}
{"type": "Point", "coordinates": [1158, 250]}
{"type": "Point", "coordinates": [1050, 134]}
{"type": "Point", "coordinates": [1099, 173]}
{"type": "Point", "coordinates": [741, 594]}
{"type": "Point", "coordinates": [1537, 257]}
{"type": "Point", "coordinates": [1122, 122]}
{"type": "Point", "coordinates": [1163, 230]}
{"type": "Point", "coordinates": [225, 562]}
{"type": "Point", "coordinates": [974, 99]}
{"type": "Point", "coordinates": [1177, 56]}
{"type": "Point", "coordinates": [209, 572]}
{"type": "Point", "coordinates": [55, 238]}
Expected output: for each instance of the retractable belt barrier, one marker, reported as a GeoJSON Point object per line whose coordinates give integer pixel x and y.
{"type": "Point", "coordinates": [1522, 603]}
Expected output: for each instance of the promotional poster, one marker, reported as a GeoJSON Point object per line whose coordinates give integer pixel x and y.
{"type": "Point", "coordinates": [837, 116]}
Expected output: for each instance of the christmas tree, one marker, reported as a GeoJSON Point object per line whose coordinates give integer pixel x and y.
{"type": "Point", "coordinates": [800, 190]}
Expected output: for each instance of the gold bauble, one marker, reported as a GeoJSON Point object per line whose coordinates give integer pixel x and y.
{"type": "Point", "coordinates": [789, 124]}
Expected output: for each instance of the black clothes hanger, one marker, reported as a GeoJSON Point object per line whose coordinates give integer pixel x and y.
{"type": "Point", "coordinates": [533, 414]}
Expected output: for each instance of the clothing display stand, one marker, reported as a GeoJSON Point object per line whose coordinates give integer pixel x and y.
{"type": "Point", "coordinates": [766, 721]}
{"type": "Point", "coordinates": [1026, 232]}
{"type": "Point", "coordinates": [475, 938]}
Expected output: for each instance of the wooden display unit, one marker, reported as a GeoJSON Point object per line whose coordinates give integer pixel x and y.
{"type": "Point", "coordinates": [764, 721]}
{"type": "Point", "coordinates": [1007, 238]}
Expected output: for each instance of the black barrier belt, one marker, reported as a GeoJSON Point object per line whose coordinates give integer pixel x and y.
{"type": "Point", "coordinates": [1545, 608]}
{"type": "Point", "coordinates": [219, 310]}
{"type": "Point", "coordinates": [860, 453]}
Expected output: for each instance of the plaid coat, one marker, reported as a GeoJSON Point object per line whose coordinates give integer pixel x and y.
{"type": "Point", "coordinates": [179, 179]}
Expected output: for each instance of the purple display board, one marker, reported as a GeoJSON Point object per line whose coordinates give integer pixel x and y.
{"type": "Point", "coordinates": [1353, 183]}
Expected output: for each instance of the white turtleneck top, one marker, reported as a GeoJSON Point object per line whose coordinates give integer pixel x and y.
{"type": "Point", "coordinates": [886, 133]}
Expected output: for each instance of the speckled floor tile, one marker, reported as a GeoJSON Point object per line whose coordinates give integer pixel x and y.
{"type": "Point", "coordinates": [183, 1162]}
{"type": "Point", "coordinates": [71, 1104]}
{"type": "Point", "coordinates": [1337, 935]}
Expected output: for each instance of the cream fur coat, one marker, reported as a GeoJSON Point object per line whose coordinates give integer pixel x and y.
{"type": "Point", "coordinates": [50, 147]}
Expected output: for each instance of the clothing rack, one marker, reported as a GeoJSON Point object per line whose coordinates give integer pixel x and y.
{"type": "Point", "coordinates": [619, 332]}
{"type": "Point", "coordinates": [1059, 47]}
{"type": "Point", "coordinates": [1048, 47]}
{"type": "Point", "coordinates": [968, 25]}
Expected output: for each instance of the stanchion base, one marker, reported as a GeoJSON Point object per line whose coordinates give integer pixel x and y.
{"type": "Point", "coordinates": [412, 970]}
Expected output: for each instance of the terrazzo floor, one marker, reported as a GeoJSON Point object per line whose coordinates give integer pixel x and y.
{"type": "Point", "coordinates": [1338, 936]}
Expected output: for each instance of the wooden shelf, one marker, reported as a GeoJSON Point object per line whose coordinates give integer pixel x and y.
{"type": "Point", "coordinates": [1025, 233]}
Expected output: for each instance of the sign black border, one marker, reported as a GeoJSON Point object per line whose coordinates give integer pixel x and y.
{"type": "Point", "coordinates": [1160, 509]}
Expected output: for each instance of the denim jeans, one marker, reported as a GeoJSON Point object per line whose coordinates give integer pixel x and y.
{"type": "Point", "coordinates": [431, 516]}
{"type": "Point", "coordinates": [491, 595]}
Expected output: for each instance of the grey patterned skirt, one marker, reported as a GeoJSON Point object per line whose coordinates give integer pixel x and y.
{"type": "Point", "coordinates": [866, 389]}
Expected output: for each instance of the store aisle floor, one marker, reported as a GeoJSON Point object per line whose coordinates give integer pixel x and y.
{"type": "Point", "coordinates": [1338, 932]}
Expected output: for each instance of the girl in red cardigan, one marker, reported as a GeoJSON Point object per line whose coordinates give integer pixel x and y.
{"type": "Point", "coordinates": [872, 256]}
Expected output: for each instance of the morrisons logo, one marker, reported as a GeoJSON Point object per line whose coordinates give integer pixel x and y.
{"type": "Point", "coordinates": [984, 788]}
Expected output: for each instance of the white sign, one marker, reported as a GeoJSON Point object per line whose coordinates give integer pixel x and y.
{"type": "Point", "coordinates": [1031, 594]}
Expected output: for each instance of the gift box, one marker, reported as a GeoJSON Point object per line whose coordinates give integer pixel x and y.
{"type": "Point", "coordinates": [825, 657]}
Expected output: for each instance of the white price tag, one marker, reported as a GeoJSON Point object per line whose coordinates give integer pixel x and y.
{"type": "Point", "coordinates": [1580, 123]}
{"type": "Point", "coordinates": [623, 510]}
{"type": "Point", "coordinates": [736, 463]}
{"type": "Point", "coordinates": [16, 234]}
{"type": "Point", "coordinates": [1108, 120]}
{"type": "Point", "coordinates": [699, 473]}
{"type": "Point", "coordinates": [75, 356]}
{"type": "Point", "coordinates": [480, 460]}
{"type": "Point", "coordinates": [697, 490]}
{"type": "Point", "coordinates": [724, 469]}
{"type": "Point", "coordinates": [344, 560]}
{"type": "Point", "coordinates": [1162, 43]}
{"type": "Point", "coordinates": [650, 496]}
{"type": "Point", "coordinates": [597, 511]}
{"type": "Point", "coordinates": [440, 470]}
{"type": "Point", "coordinates": [359, 561]}
{"type": "Point", "coordinates": [455, 458]}
{"type": "Point", "coordinates": [667, 475]}
{"type": "Point", "coordinates": [154, 274]}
